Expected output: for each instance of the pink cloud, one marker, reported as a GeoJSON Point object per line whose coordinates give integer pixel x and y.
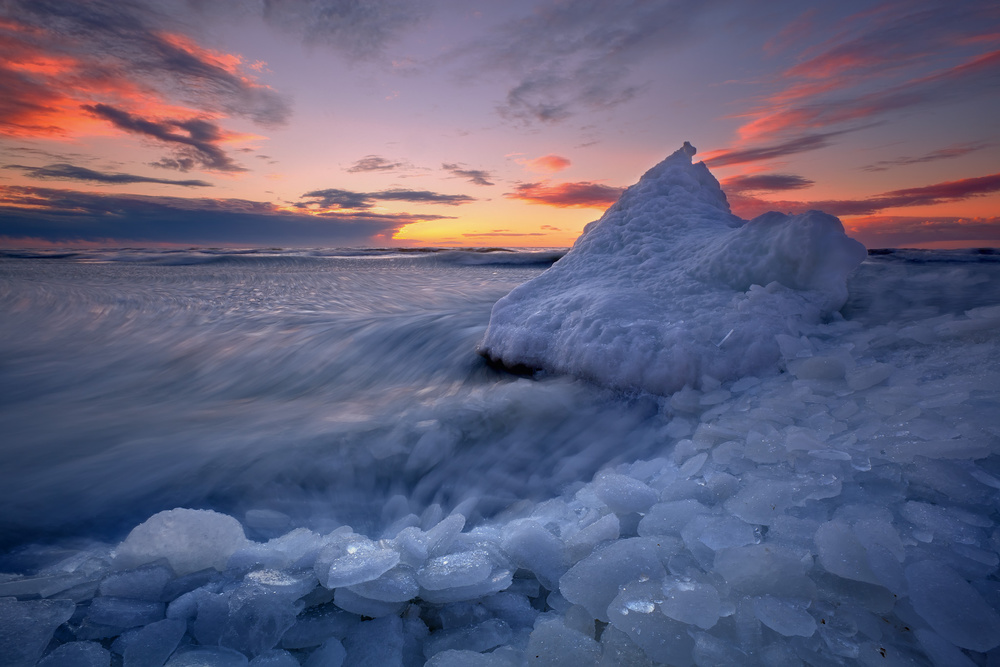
{"type": "Point", "coordinates": [547, 163]}
{"type": "Point", "coordinates": [582, 194]}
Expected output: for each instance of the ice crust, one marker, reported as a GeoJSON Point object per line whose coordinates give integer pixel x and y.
{"type": "Point", "coordinates": [669, 286]}
{"type": "Point", "coordinates": [838, 509]}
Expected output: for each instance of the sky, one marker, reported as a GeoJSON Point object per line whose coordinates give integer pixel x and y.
{"type": "Point", "coordinates": [332, 123]}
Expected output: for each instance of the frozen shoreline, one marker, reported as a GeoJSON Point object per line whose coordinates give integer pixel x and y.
{"type": "Point", "coordinates": [839, 507]}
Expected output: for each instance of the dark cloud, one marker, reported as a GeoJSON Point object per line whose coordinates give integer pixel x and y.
{"type": "Point", "coordinates": [198, 139]}
{"type": "Point", "coordinates": [132, 46]}
{"type": "Point", "coordinates": [347, 199]}
{"type": "Point", "coordinates": [335, 198]}
{"type": "Point", "coordinates": [502, 232]}
{"type": "Point", "coordinates": [567, 195]}
{"type": "Point", "coordinates": [573, 54]}
{"type": "Point", "coordinates": [939, 193]}
{"type": "Point", "coordinates": [358, 29]}
{"type": "Point", "coordinates": [422, 196]}
{"type": "Point", "coordinates": [474, 176]}
{"type": "Point", "coordinates": [949, 153]}
{"type": "Point", "coordinates": [374, 163]}
{"type": "Point", "coordinates": [71, 172]}
{"type": "Point", "coordinates": [800, 144]}
{"type": "Point", "coordinates": [67, 216]}
{"type": "Point", "coordinates": [765, 183]}
{"type": "Point", "coordinates": [902, 231]}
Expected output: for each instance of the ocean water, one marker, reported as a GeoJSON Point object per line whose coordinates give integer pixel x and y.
{"type": "Point", "coordinates": [324, 389]}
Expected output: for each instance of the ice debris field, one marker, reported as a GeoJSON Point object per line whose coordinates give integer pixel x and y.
{"type": "Point", "coordinates": [825, 493]}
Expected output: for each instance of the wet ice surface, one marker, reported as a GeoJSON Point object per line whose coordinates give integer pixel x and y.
{"type": "Point", "coordinates": [369, 492]}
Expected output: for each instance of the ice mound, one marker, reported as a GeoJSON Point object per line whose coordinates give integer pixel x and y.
{"type": "Point", "coordinates": [669, 286]}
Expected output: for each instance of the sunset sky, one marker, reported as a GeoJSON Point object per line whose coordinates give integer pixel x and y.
{"type": "Point", "coordinates": [393, 122]}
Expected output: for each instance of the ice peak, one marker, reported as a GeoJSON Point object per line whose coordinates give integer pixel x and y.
{"type": "Point", "coordinates": [647, 292]}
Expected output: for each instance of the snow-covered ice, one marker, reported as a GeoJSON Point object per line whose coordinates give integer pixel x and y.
{"type": "Point", "coordinates": [775, 462]}
{"type": "Point", "coordinates": [669, 286]}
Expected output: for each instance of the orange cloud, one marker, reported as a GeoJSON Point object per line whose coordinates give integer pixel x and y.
{"type": "Point", "coordinates": [547, 163]}
{"type": "Point", "coordinates": [50, 77]}
{"type": "Point", "coordinates": [583, 194]}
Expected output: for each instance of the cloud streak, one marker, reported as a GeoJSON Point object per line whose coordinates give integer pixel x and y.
{"type": "Point", "coordinates": [196, 139]}
{"type": "Point", "coordinates": [938, 193]}
{"type": "Point", "coordinates": [801, 144]}
{"type": "Point", "coordinates": [334, 198]}
{"type": "Point", "coordinates": [373, 163]}
{"type": "Point", "coordinates": [949, 153]}
{"type": "Point", "coordinates": [69, 172]}
{"type": "Point", "coordinates": [68, 216]}
{"type": "Point", "coordinates": [474, 176]}
{"type": "Point", "coordinates": [765, 183]}
{"type": "Point", "coordinates": [583, 194]}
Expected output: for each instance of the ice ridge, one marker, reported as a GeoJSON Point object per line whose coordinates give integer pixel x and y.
{"type": "Point", "coordinates": [668, 287]}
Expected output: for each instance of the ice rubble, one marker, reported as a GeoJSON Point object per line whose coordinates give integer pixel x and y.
{"type": "Point", "coordinates": [668, 286]}
{"type": "Point", "coordinates": [841, 512]}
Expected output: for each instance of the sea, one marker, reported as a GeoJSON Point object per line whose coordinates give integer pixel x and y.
{"type": "Point", "coordinates": [322, 389]}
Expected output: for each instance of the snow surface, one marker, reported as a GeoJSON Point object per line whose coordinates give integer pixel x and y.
{"type": "Point", "coordinates": [838, 506]}
{"type": "Point", "coordinates": [669, 286]}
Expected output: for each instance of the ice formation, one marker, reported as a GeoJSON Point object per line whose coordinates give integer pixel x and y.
{"type": "Point", "coordinates": [669, 286]}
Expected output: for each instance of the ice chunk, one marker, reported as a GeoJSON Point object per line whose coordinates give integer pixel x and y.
{"type": "Point", "coordinates": [190, 540]}
{"type": "Point", "coordinates": [153, 644]}
{"type": "Point", "coordinates": [353, 562]}
{"type": "Point", "coordinates": [717, 532]}
{"type": "Point", "coordinates": [953, 608]}
{"type": "Point", "coordinates": [124, 613]}
{"type": "Point", "coordinates": [208, 656]}
{"type": "Point", "coordinates": [461, 658]}
{"type": "Point", "coordinates": [396, 585]}
{"type": "Point", "coordinates": [77, 654]}
{"type": "Point", "coordinates": [330, 654]}
{"type": "Point", "coordinates": [669, 287]}
{"type": "Point", "coordinates": [762, 569]}
{"type": "Point", "coordinates": [356, 604]}
{"type": "Point", "coordinates": [439, 538]}
{"type": "Point", "coordinates": [532, 547]}
{"type": "Point", "coordinates": [841, 553]}
{"type": "Point", "coordinates": [784, 617]}
{"type": "Point", "coordinates": [464, 568]}
{"type": "Point", "coordinates": [275, 658]}
{"type": "Point", "coordinates": [257, 617]}
{"type": "Point", "coordinates": [670, 517]}
{"type": "Point", "coordinates": [636, 611]}
{"type": "Point", "coordinates": [552, 643]}
{"type": "Point", "coordinates": [623, 494]}
{"type": "Point", "coordinates": [498, 580]}
{"type": "Point", "coordinates": [27, 627]}
{"type": "Point", "coordinates": [144, 583]}
{"type": "Point", "coordinates": [581, 543]}
{"type": "Point", "coordinates": [595, 581]}
{"type": "Point", "coordinates": [691, 602]}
